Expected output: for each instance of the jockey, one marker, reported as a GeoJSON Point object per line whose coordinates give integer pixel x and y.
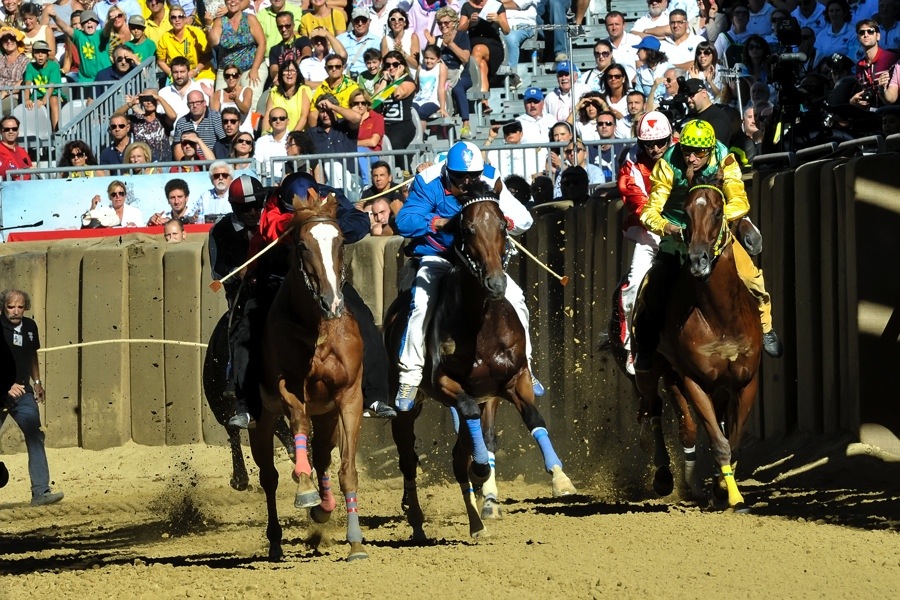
{"type": "Point", "coordinates": [654, 134]}
{"type": "Point", "coordinates": [430, 206]}
{"type": "Point", "coordinates": [270, 269]}
{"type": "Point", "coordinates": [663, 215]}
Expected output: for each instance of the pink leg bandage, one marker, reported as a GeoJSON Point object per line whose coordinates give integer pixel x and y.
{"type": "Point", "coordinates": [328, 502]}
{"type": "Point", "coordinates": [302, 466]}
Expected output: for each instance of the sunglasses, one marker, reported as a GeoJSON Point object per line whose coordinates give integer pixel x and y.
{"type": "Point", "coordinates": [119, 194]}
{"type": "Point", "coordinates": [605, 123]}
{"type": "Point", "coordinates": [358, 20]}
{"type": "Point", "coordinates": [614, 76]}
{"type": "Point", "coordinates": [705, 51]}
{"type": "Point", "coordinates": [334, 67]}
{"type": "Point", "coordinates": [700, 153]}
{"type": "Point", "coordinates": [573, 150]}
{"type": "Point", "coordinates": [653, 143]}
{"type": "Point", "coordinates": [8, 129]}
{"type": "Point", "coordinates": [119, 16]}
{"type": "Point", "coordinates": [602, 54]}
{"type": "Point", "coordinates": [121, 59]}
{"type": "Point", "coordinates": [8, 39]}
{"type": "Point", "coordinates": [288, 26]}
{"type": "Point", "coordinates": [866, 32]}
{"type": "Point", "coordinates": [360, 103]}
{"type": "Point", "coordinates": [220, 175]}
{"type": "Point", "coordinates": [243, 141]}
{"type": "Point", "coordinates": [391, 65]}
{"type": "Point", "coordinates": [177, 17]}
{"type": "Point", "coordinates": [232, 75]}
{"type": "Point", "coordinates": [277, 119]}
{"type": "Point", "coordinates": [445, 23]}
{"type": "Point", "coordinates": [77, 154]}
{"type": "Point", "coordinates": [122, 126]}
{"type": "Point", "coordinates": [230, 121]}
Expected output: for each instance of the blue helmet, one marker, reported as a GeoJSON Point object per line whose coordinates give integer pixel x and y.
{"type": "Point", "coordinates": [464, 157]}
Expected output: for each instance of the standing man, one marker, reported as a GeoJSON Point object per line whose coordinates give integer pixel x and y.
{"type": "Point", "coordinates": [120, 137]}
{"type": "Point", "coordinates": [702, 107]}
{"type": "Point", "coordinates": [290, 45]}
{"type": "Point", "coordinates": [681, 46]}
{"type": "Point", "coordinates": [157, 22]}
{"type": "Point", "coordinates": [357, 41]}
{"type": "Point", "coordinates": [656, 22]}
{"type": "Point", "coordinates": [622, 42]}
{"type": "Point", "coordinates": [270, 22]}
{"type": "Point", "coordinates": [12, 155]}
{"type": "Point", "coordinates": [206, 122]}
{"type": "Point", "coordinates": [182, 85]}
{"type": "Point", "coordinates": [21, 336]}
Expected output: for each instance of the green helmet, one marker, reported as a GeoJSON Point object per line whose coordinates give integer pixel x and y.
{"type": "Point", "coordinates": [698, 134]}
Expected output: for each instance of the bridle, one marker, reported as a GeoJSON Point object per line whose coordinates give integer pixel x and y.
{"type": "Point", "coordinates": [724, 236]}
{"type": "Point", "coordinates": [460, 248]}
{"type": "Point", "coordinates": [297, 227]}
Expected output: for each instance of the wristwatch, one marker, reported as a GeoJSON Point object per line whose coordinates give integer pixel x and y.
{"type": "Point", "coordinates": [38, 382]}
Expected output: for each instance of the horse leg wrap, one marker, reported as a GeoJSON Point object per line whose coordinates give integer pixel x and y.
{"type": "Point", "coordinates": [489, 487]}
{"type": "Point", "coordinates": [542, 438]}
{"type": "Point", "coordinates": [690, 462]}
{"type": "Point", "coordinates": [660, 454]}
{"type": "Point", "coordinates": [734, 496]}
{"type": "Point", "coordinates": [354, 533]}
{"type": "Point", "coordinates": [479, 450]}
{"type": "Point", "coordinates": [328, 502]}
{"type": "Point", "coordinates": [302, 466]}
{"type": "Point", "coordinates": [454, 414]}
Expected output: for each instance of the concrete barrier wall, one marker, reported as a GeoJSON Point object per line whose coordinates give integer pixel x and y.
{"type": "Point", "coordinates": [829, 233]}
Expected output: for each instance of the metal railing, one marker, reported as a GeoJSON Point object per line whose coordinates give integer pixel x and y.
{"type": "Point", "coordinates": [124, 169]}
{"type": "Point", "coordinates": [84, 114]}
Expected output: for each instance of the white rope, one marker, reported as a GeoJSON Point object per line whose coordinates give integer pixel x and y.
{"type": "Point", "coordinates": [138, 341]}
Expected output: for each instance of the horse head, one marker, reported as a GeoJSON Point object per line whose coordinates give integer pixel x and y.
{"type": "Point", "coordinates": [706, 232]}
{"type": "Point", "coordinates": [320, 249]}
{"type": "Point", "coordinates": [481, 241]}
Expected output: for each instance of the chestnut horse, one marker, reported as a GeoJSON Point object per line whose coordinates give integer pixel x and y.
{"type": "Point", "coordinates": [710, 346]}
{"type": "Point", "coordinates": [475, 352]}
{"type": "Point", "coordinates": [312, 373]}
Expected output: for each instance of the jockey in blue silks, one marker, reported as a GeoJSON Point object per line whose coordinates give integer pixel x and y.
{"type": "Point", "coordinates": [432, 203]}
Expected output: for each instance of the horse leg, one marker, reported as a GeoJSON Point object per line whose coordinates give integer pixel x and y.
{"type": "Point", "coordinates": [745, 400]}
{"type": "Point", "coordinates": [687, 432]}
{"type": "Point", "coordinates": [239, 477]}
{"type": "Point", "coordinates": [462, 459]}
{"type": "Point", "coordinates": [523, 398]}
{"type": "Point", "coordinates": [284, 436]}
{"type": "Point", "coordinates": [264, 455]}
{"type": "Point", "coordinates": [350, 420]}
{"type": "Point", "coordinates": [404, 434]}
{"type": "Point", "coordinates": [720, 446]}
{"type": "Point", "coordinates": [324, 439]}
{"type": "Point", "coordinates": [307, 495]}
{"type": "Point", "coordinates": [490, 508]}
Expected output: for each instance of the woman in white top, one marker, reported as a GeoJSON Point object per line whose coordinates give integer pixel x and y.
{"type": "Point", "coordinates": [129, 216]}
{"type": "Point", "coordinates": [233, 94]}
{"type": "Point", "coordinates": [840, 36]}
{"type": "Point", "coordinates": [34, 31]}
{"type": "Point", "coordinates": [402, 39]}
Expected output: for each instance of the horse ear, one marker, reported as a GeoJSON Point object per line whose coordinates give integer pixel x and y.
{"type": "Point", "coordinates": [330, 204]}
{"type": "Point", "coordinates": [298, 203]}
{"type": "Point", "coordinates": [498, 187]}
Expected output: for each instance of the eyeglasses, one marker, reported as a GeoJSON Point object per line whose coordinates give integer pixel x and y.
{"type": "Point", "coordinates": [220, 175]}
{"type": "Point", "coordinates": [391, 65]}
{"type": "Point", "coordinates": [867, 32]}
{"type": "Point", "coordinates": [360, 103]}
{"type": "Point", "coordinates": [706, 51]}
{"type": "Point", "coordinates": [232, 75]}
{"type": "Point", "coordinates": [700, 153]}
{"type": "Point", "coordinates": [397, 20]}
{"type": "Point", "coordinates": [121, 59]}
{"type": "Point", "coordinates": [359, 20]}
{"type": "Point", "coordinates": [118, 194]}
{"type": "Point", "coordinates": [602, 54]}
{"type": "Point", "coordinates": [176, 17]}
{"type": "Point", "coordinates": [654, 143]}
{"type": "Point", "coordinates": [77, 154]}
{"type": "Point", "coordinates": [445, 23]}
{"type": "Point", "coordinates": [277, 119]}
{"type": "Point", "coordinates": [334, 67]}
{"type": "Point", "coordinates": [614, 76]}
{"type": "Point", "coordinates": [243, 141]}
{"type": "Point", "coordinates": [8, 129]}
{"type": "Point", "coordinates": [196, 102]}
{"type": "Point", "coordinates": [605, 123]}
{"type": "Point", "coordinates": [288, 26]}
{"type": "Point", "coordinates": [119, 126]}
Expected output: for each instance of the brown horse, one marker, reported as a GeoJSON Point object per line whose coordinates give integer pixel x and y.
{"type": "Point", "coordinates": [710, 345]}
{"type": "Point", "coordinates": [312, 373]}
{"type": "Point", "coordinates": [476, 352]}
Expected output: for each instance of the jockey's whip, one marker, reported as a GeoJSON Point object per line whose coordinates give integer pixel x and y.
{"type": "Point", "coordinates": [563, 280]}
{"type": "Point", "coordinates": [35, 224]}
{"type": "Point", "coordinates": [217, 284]}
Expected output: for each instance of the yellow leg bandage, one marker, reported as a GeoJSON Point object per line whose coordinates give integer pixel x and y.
{"type": "Point", "coordinates": [734, 496]}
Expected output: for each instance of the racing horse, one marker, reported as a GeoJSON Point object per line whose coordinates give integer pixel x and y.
{"type": "Point", "coordinates": [710, 346]}
{"type": "Point", "coordinates": [312, 373]}
{"type": "Point", "coordinates": [475, 352]}
{"type": "Point", "coordinates": [215, 379]}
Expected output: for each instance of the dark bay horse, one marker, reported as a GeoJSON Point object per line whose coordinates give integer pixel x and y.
{"type": "Point", "coordinates": [475, 352]}
{"type": "Point", "coordinates": [312, 373]}
{"type": "Point", "coordinates": [215, 379]}
{"type": "Point", "coordinates": [710, 346]}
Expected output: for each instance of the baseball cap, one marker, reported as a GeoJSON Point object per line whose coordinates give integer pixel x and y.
{"type": "Point", "coordinates": [40, 46]}
{"type": "Point", "coordinates": [89, 15]}
{"type": "Point", "coordinates": [534, 93]}
{"type": "Point", "coordinates": [359, 11]}
{"type": "Point", "coordinates": [565, 66]}
{"type": "Point", "coordinates": [137, 21]}
{"type": "Point", "coordinates": [691, 87]}
{"type": "Point", "coordinates": [648, 43]}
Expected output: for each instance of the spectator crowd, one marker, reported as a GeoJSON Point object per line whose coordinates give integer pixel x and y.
{"type": "Point", "coordinates": [255, 80]}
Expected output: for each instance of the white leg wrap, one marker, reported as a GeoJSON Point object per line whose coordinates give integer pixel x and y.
{"type": "Point", "coordinates": [412, 350]}
{"type": "Point", "coordinates": [645, 249]}
{"type": "Point", "coordinates": [516, 297]}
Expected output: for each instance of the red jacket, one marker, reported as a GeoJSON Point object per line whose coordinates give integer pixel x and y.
{"type": "Point", "coordinates": [634, 186]}
{"type": "Point", "coordinates": [14, 158]}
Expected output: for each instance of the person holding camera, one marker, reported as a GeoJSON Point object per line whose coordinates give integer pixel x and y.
{"type": "Point", "coordinates": [148, 125]}
{"type": "Point", "coordinates": [873, 71]}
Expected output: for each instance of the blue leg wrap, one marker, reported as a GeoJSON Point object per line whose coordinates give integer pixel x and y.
{"type": "Point", "coordinates": [455, 414]}
{"type": "Point", "coordinates": [542, 438]}
{"type": "Point", "coordinates": [480, 452]}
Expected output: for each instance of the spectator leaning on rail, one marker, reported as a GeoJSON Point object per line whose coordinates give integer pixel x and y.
{"type": "Point", "coordinates": [44, 74]}
{"type": "Point", "coordinates": [21, 336]}
{"type": "Point", "coordinates": [698, 151]}
{"type": "Point", "coordinates": [432, 203]}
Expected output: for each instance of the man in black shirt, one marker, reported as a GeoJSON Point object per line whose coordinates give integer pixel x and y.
{"type": "Point", "coordinates": [291, 47]}
{"type": "Point", "coordinates": [702, 107]}
{"type": "Point", "coordinates": [21, 336]}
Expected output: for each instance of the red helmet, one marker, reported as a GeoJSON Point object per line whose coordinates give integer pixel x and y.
{"type": "Point", "coordinates": [246, 189]}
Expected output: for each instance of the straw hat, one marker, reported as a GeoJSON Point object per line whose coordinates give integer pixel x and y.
{"type": "Point", "coordinates": [18, 34]}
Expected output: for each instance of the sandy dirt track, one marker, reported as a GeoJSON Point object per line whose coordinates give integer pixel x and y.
{"type": "Point", "coordinates": [142, 522]}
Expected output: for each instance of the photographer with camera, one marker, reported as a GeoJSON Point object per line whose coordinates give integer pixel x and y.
{"type": "Point", "coordinates": [873, 70]}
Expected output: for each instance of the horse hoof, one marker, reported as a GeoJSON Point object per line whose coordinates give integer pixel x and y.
{"type": "Point", "coordinates": [481, 534]}
{"type": "Point", "coordinates": [275, 553]}
{"type": "Point", "coordinates": [562, 485]}
{"type": "Point", "coordinates": [307, 499]}
{"type": "Point", "coordinates": [418, 536]}
{"type": "Point", "coordinates": [239, 484]}
{"type": "Point", "coordinates": [357, 552]}
{"type": "Point", "coordinates": [319, 515]}
{"type": "Point", "coordinates": [663, 482]}
{"type": "Point", "coordinates": [491, 509]}
{"type": "Point", "coordinates": [479, 473]}
{"type": "Point", "coordinates": [741, 509]}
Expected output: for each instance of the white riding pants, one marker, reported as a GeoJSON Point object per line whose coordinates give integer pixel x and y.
{"type": "Point", "coordinates": [428, 279]}
{"type": "Point", "coordinates": [646, 245]}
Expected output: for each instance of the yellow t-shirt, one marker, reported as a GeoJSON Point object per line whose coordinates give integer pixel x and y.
{"type": "Point", "coordinates": [293, 105]}
{"type": "Point", "coordinates": [194, 47]}
{"type": "Point", "coordinates": [336, 23]}
{"type": "Point", "coordinates": [342, 91]}
{"type": "Point", "coordinates": [152, 30]}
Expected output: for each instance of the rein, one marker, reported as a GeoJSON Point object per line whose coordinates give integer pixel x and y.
{"type": "Point", "coordinates": [724, 232]}
{"type": "Point", "coordinates": [460, 248]}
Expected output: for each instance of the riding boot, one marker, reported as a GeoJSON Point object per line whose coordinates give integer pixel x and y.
{"type": "Point", "coordinates": [752, 276]}
{"type": "Point", "coordinates": [375, 359]}
{"type": "Point", "coordinates": [650, 309]}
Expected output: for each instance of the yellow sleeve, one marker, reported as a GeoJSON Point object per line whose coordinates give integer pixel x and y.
{"type": "Point", "coordinates": [162, 49]}
{"type": "Point", "coordinates": [736, 203]}
{"type": "Point", "coordinates": [661, 186]}
{"type": "Point", "coordinates": [306, 25]}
